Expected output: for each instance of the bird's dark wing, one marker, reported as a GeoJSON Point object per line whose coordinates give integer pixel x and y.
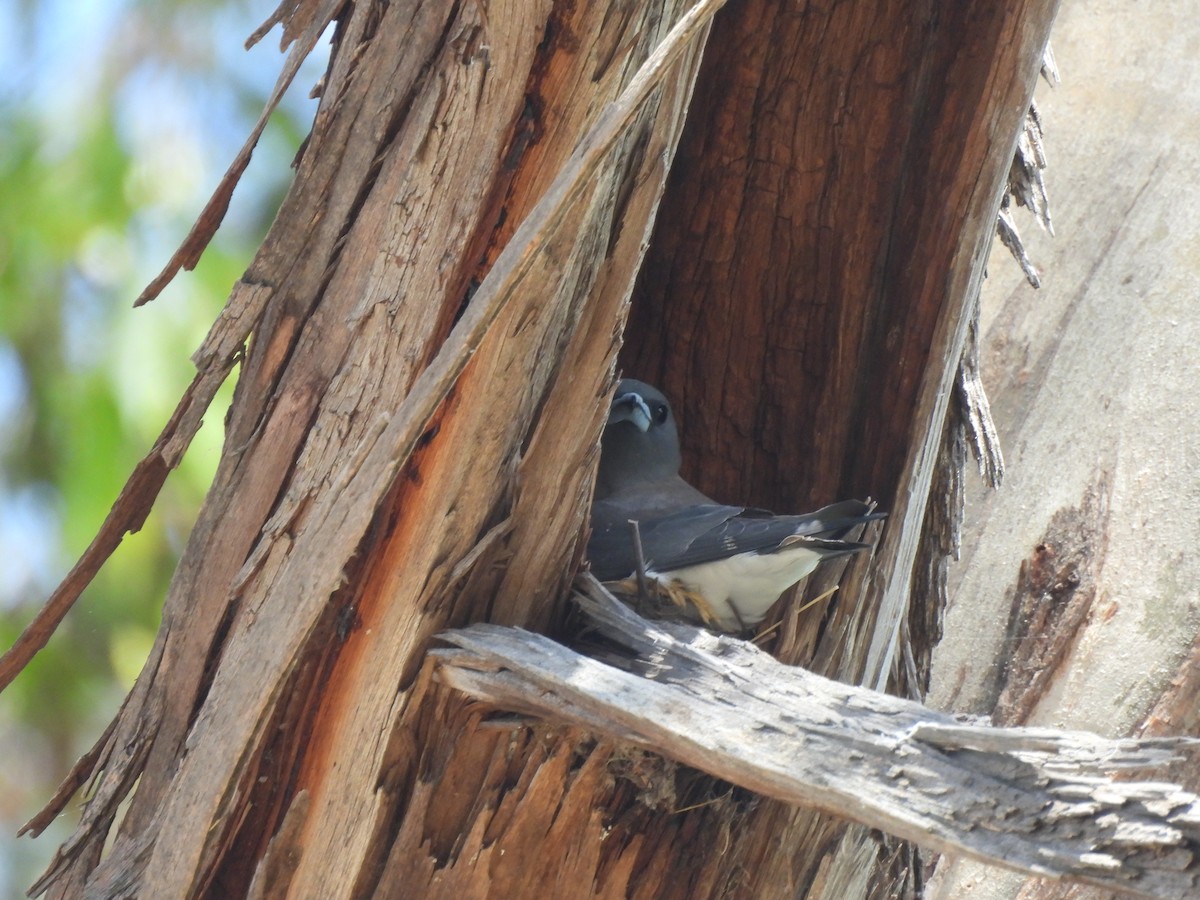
{"type": "Point", "coordinates": [703, 533]}
{"type": "Point", "coordinates": [611, 549]}
{"type": "Point", "coordinates": [748, 532]}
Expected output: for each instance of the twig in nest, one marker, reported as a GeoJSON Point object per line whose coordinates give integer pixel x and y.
{"type": "Point", "coordinates": [763, 635]}
{"type": "Point", "coordinates": [640, 556]}
{"type": "Point", "coordinates": [815, 600]}
{"type": "Point", "coordinates": [709, 802]}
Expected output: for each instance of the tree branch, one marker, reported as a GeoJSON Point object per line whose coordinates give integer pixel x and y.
{"type": "Point", "coordinates": [1035, 800]}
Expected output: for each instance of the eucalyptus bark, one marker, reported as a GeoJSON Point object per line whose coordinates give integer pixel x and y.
{"type": "Point", "coordinates": [1077, 585]}
{"type": "Point", "coordinates": [423, 380]}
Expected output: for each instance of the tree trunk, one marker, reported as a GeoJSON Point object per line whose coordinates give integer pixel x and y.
{"type": "Point", "coordinates": [413, 435]}
{"type": "Point", "coordinates": [1076, 592]}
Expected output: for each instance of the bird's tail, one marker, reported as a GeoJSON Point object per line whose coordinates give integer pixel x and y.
{"type": "Point", "coordinates": [838, 519]}
{"type": "Point", "coordinates": [827, 547]}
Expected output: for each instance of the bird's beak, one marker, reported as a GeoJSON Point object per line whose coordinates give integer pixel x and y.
{"type": "Point", "coordinates": [630, 408]}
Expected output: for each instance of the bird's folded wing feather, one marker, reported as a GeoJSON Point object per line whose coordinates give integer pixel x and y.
{"type": "Point", "coordinates": [703, 533]}
{"type": "Point", "coordinates": [611, 548]}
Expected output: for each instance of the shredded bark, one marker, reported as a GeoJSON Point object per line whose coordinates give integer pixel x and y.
{"type": "Point", "coordinates": [1056, 587]}
{"type": "Point", "coordinates": [1027, 181]}
{"type": "Point", "coordinates": [1039, 800]}
{"type": "Point", "coordinates": [310, 20]}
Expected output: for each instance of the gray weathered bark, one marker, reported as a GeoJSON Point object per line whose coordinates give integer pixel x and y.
{"type": "Point", "coordinates": [1038, 800]}
{"type": "Point", "coordinates": [411, 443]}
{"type": "Point", "coordinates": [1074, 603]}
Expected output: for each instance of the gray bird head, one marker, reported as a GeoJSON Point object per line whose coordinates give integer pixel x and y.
{"type": "Point", "coordinates": [639, 443]}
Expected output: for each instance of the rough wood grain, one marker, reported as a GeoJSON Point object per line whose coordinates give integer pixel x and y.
{"type": "Point", "coordinates": [334, 397]}
{"type": "Point", "coordinates": [827, 260]}
{"type": "Point", "coordinates": [1092, 381]}
{"type": "Point", "coordinates": [1039, 800]}
{"type": "Point", "coordinates": [809, 318]}
{"type": "Point", "coordinates": [284, 696]}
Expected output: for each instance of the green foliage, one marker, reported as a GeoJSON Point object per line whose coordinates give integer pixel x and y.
{"type": "Point", "coordinates": [98, 183]}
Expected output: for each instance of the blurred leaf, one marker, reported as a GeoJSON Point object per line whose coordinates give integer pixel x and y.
{"type": "Point", "coordinates": [128, 113]}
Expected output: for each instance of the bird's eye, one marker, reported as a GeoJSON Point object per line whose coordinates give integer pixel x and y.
{"type": "Point", "coordinates": [660, 413]}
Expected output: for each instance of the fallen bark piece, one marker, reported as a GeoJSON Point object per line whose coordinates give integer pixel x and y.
{"type": "Point", "coordinates": [1036, 800]}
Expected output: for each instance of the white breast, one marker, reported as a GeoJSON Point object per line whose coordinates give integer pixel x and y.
{"type": "Point", "coordinates": [742, 588]}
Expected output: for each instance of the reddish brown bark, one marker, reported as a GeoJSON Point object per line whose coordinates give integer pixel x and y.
{"type": "Point", "coordinates": [804, 303]}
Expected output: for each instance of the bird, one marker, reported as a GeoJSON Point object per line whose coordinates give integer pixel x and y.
{"type": "Point", "coordinates": [729, 562]}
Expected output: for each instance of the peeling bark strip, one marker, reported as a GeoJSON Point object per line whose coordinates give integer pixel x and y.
{"type": "Point", "coordinates": [419, 167]}
{"type": "Point", "coordinates": [1036, 800]}
{"type": "Point", "coordinates": [303, 23]}
{"type": "Point", "coordinates": [403, 457]}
